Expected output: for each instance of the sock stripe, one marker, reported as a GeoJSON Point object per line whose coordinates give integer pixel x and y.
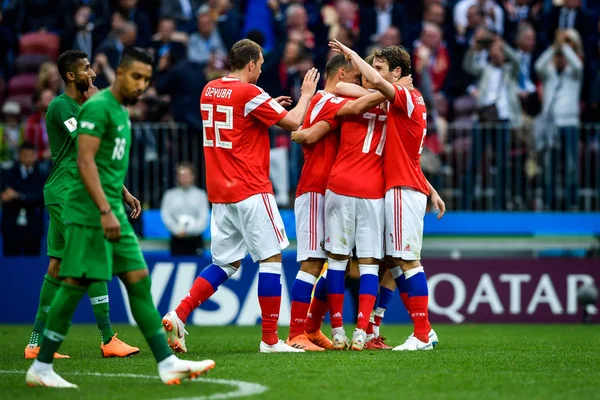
{"type": "Point", "coordinates": [412, 272]}
{"type": "Point", "coordinates": [306, 277]}
{"type": "Point", "coordinates": [228, 269]}
{"type": "Point", "coordinates": [337, 265]}
{"type": "Point", "coordinates": [270, 268]}
{"type": "Point", "coordinates": [367, 269]}
{"type": "Point", "coordinates": [54, 336]}
{"type": "Point", "coordinates": [99, 300]}
{"type": "Point", "coordinates": [396, 272]}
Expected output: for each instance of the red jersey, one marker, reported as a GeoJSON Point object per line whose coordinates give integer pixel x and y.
{"type": "Point", "coordinates": [319, 157]}
{"type": "Point", "coordinates": [358, 168]}
{"type": "Point", "coordinates": [236, 117]}
{"type": "Point", "coordinates": [407, 127]}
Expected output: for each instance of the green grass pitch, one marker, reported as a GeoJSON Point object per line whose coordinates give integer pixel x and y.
{"type": "Point", "coordinates": [471, 362]}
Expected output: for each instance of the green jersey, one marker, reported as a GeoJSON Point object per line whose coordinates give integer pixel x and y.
{"type": "Point", "coordinates": [104, 117]}
{"type": "Point", "coordinates": [61, 124]}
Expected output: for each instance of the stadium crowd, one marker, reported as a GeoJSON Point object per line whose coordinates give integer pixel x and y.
{"type": "Point", "coordinates": [530, 67]}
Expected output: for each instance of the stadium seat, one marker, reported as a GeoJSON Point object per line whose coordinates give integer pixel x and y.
{"type": "Point", "coordinates": [40, 43]}
{"type": "Point", "coordinates": [24, 101]}
{"type": "Point", "coordinates": [22, 84]}
{"type": "Point", "coordinates": [30, 63]}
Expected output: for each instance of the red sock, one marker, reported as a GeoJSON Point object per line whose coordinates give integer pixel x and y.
{"type": "Point", "coordinates": [298, 318]}
{"type": "Point", "coordinates": [378, 320]}
{"type": "Point", "coordinates": [420, 317]}
{"type": "Point", "coordinates": [200, 292]}
{"type": "Point", "coordinates": [336, 307]}
{"type": "Point", "coordinates": [370, 328]}
{"type": "Point", "coordinates": [269, 307]}
{"type": "Point", "coordinates": [365, 306]}
{"type": "Point", "coordinates": [316, 313]}
{"type": "Point", "coordinates": [404, 297]}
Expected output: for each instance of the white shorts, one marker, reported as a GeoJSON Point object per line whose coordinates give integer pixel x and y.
{"type": "Point", "coordinates": [309, 209]}
{"type": "Point", "coordinates": [352, 221]}
{"type": "Point", "coordinates": [404, 213]}
{"type": "Point", "coordinates": [250, 226]}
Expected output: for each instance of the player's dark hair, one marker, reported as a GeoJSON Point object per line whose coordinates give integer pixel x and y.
{"type": "Point", "coordinates": [68, 62]}
{"type": "Point", "coordinates": [26, 146]}
{"type": "Point", "coordinates": [369, 59]}
{"type": "Point", "coordinates": [395, 56]}
{"type": "Point", "coordinates": [186, 165]}
{"type": "Point", "coordinates": [338, 61]}
{"type": "Point", "coordinates": [242, 53]}
{"type": "Point", "coordinates": [134, 53]}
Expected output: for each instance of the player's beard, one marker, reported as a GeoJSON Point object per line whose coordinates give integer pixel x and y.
{"type": "Point", "coordinates": [129, 101]}
{"type": "Point", "coordinates": [82, 85]}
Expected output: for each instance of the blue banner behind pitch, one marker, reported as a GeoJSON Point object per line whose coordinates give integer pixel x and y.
{"type": "Point", "coordinates": [236, 302]}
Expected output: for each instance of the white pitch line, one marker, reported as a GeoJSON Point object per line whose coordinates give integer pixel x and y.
{"type": "Point", "coordinates": [243, 389]}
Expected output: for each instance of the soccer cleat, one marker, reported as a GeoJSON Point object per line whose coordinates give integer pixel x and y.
{"type": "Point", "coordinates": [117, 348]}
{"type": "Point", "coordinates": [279, 347]}
{"type": "Point", "coordinates": [319, 339]}
{"type": "Point", "coordinates": [302, 342]}
{"type": "Point", "coordinates": [359, 338]}
{"type": "Point", "coordinates": [175, 332]}
{"type": "Point", "coordinates": [46, 378]}
{"type": "Point", "coordinates": [433, 337]}
{"type": "Point", "coordinates": [377, 343]}
{"type": "Point", "coordinates": [340, 340]}
{"type": "Point", "coordinates": [32, 353]}
{"type": "Point", "coordinates": [173, 370]}
{"type": "Point", "coordinates": [414, 344]}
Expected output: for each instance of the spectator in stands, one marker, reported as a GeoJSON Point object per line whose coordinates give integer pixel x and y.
{"type": "Point", "coordinates": [35, 126]}
{"type": "Point", "coordinates": [519, 11]}
{"type": "Point", "coordinates": [228, 20]}
{"type": "Point", "coordinates": [7, 48]}
{"type": "Point", "coordinates": [560, 69]}
{"type": "Point", "coordinates": [432, 48]}
{"type": "Point", "coordinates": [297, 24]}
{"type": "Point", "coordinates": [99, 18]}
{"type": "Point", "coordinates": [21, 191]}
{"type": "Point", "coordinates": [11, 132]}
{"type": "Point", "coordinates": [130, 11]}
{"type": "Point", "coordinates": [109, 52]}
{"type": "Point", "coordinates": [168, 40]}
{"type": "Point", "coordinates": [182, 11]}
{"type": "Point", "coordinates": [526, 40]}
{"type": "Point", "coordinates": [493, 15]}
{"type": "Point", "coordinates": [391, 37]}
{"type": "Point", "coordinates": [185, 211]}
{"type": "Point", "coordinates": [80, 35]}
{"type": "Point", "coordinates": [569, 16]}
{"type": "Point", "coordinates": [13, 12]}
{"type": "Point", "coordinates": [434, 13]}
{"type": "Point", "coordinates": [377, 19]}
{"type": "Point", "coordinates": [206, 44]}
{"type": "Point", "coordinates": [49, 78]}
{"type": "Point", "coordinates": [40, 15]}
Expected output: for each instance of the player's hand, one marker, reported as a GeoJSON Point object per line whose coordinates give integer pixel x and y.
{"type": "Point", "coordinates": [111, 227]}
{"type": "Point", "coordinates": [406, 81]}
{"type": "Point", "coordinates": [284, 101]}
{"type": "Point", "coordinates": [338, 47]}
{"type": "Point", "coordinates": [311, 79]}
{"type": "Point", "coordinates": [298, 137]}
{"type": "Point", "coordinates": [92, 90]}
{"type": "Point", "coordinates": [438, 204]}
{"type": "Point", "coordinates": [133, 203]}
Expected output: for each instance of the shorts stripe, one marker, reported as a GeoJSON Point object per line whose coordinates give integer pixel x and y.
{"type": "Point", "coordinates": [313, 220]}
{"type": "Point", "coordinates": [310, 222]}
{"type": "Point", "coordinates": [396, 246]}
{"type": "Point", "coordinates": [400, 222]}
{"type": "Point", "coordinates": [270, 212]}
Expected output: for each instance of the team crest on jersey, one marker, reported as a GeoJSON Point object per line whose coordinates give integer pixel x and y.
{"type": "Point", "coordinates": [71, 124]}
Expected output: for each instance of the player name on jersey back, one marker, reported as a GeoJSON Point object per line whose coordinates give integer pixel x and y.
{"type": "Point", "coordinates": [319, 157]}
{"type": "Point", "coordinates": [358, 167]}
{"type": "Point", "coordinates": [235, 119]}
{"type": "Point", "coordinates": [406, 131]}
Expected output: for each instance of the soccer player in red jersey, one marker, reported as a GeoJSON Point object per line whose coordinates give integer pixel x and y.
{"type": "Point", "coordinates": [405, 184]}
{"type": "Point", "coordinates": [319, 155]}
{"type": "Point", "coordinates": [236, 114]}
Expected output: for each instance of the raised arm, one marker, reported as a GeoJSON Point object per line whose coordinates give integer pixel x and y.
{"type": "Point", "coordinates": [295, 117]}
{"type": "Point", "coordinates": [311, 135]}
{"type": "Point", "coordinates": [573, 60]}
{"type": "Point", "coordinates": [361, 105]}
{"type": "Point", "coordinates": [86, 164]}
{"type": "Point", "coordinates": [368, 72]}
{"type": "Point", "coordinates": [544, 64]}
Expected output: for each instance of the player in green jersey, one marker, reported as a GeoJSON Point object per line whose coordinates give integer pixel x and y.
{"type": "Point", "coordinates": [100, 241]}
{"type": "Point", "coordinates": [61, 124]}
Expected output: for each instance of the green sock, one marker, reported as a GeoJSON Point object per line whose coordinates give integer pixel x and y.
{"type": "Point", "coordinates": [148, 318]}
{"type": "Point", "coordinates": [47, 293]}
{"type": "Point", "coordinates": [98, 292]}
{"type": "Point", "coordinates": [59, 320]}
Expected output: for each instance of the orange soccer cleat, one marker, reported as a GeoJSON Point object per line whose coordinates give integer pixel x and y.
{"type": "Point", "coordinates": [377, 343]}
{"type": "Point", "coordinates": [117, 348]}
{"type": "Point", "coordinates": [302, 342]}
{"type": "Point", "coordinates": [32, 352]}
{"type": "Point", "coordinates": [319, 339]}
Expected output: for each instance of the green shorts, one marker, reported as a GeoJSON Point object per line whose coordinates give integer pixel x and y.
{"type": "Point", "coordinates": [56, 231]}
{"type": "Point", "coordinates": [89, 255]}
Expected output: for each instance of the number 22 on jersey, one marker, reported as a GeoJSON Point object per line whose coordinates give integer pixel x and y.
{"type": "Point", "coordinates": [210, 123]}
